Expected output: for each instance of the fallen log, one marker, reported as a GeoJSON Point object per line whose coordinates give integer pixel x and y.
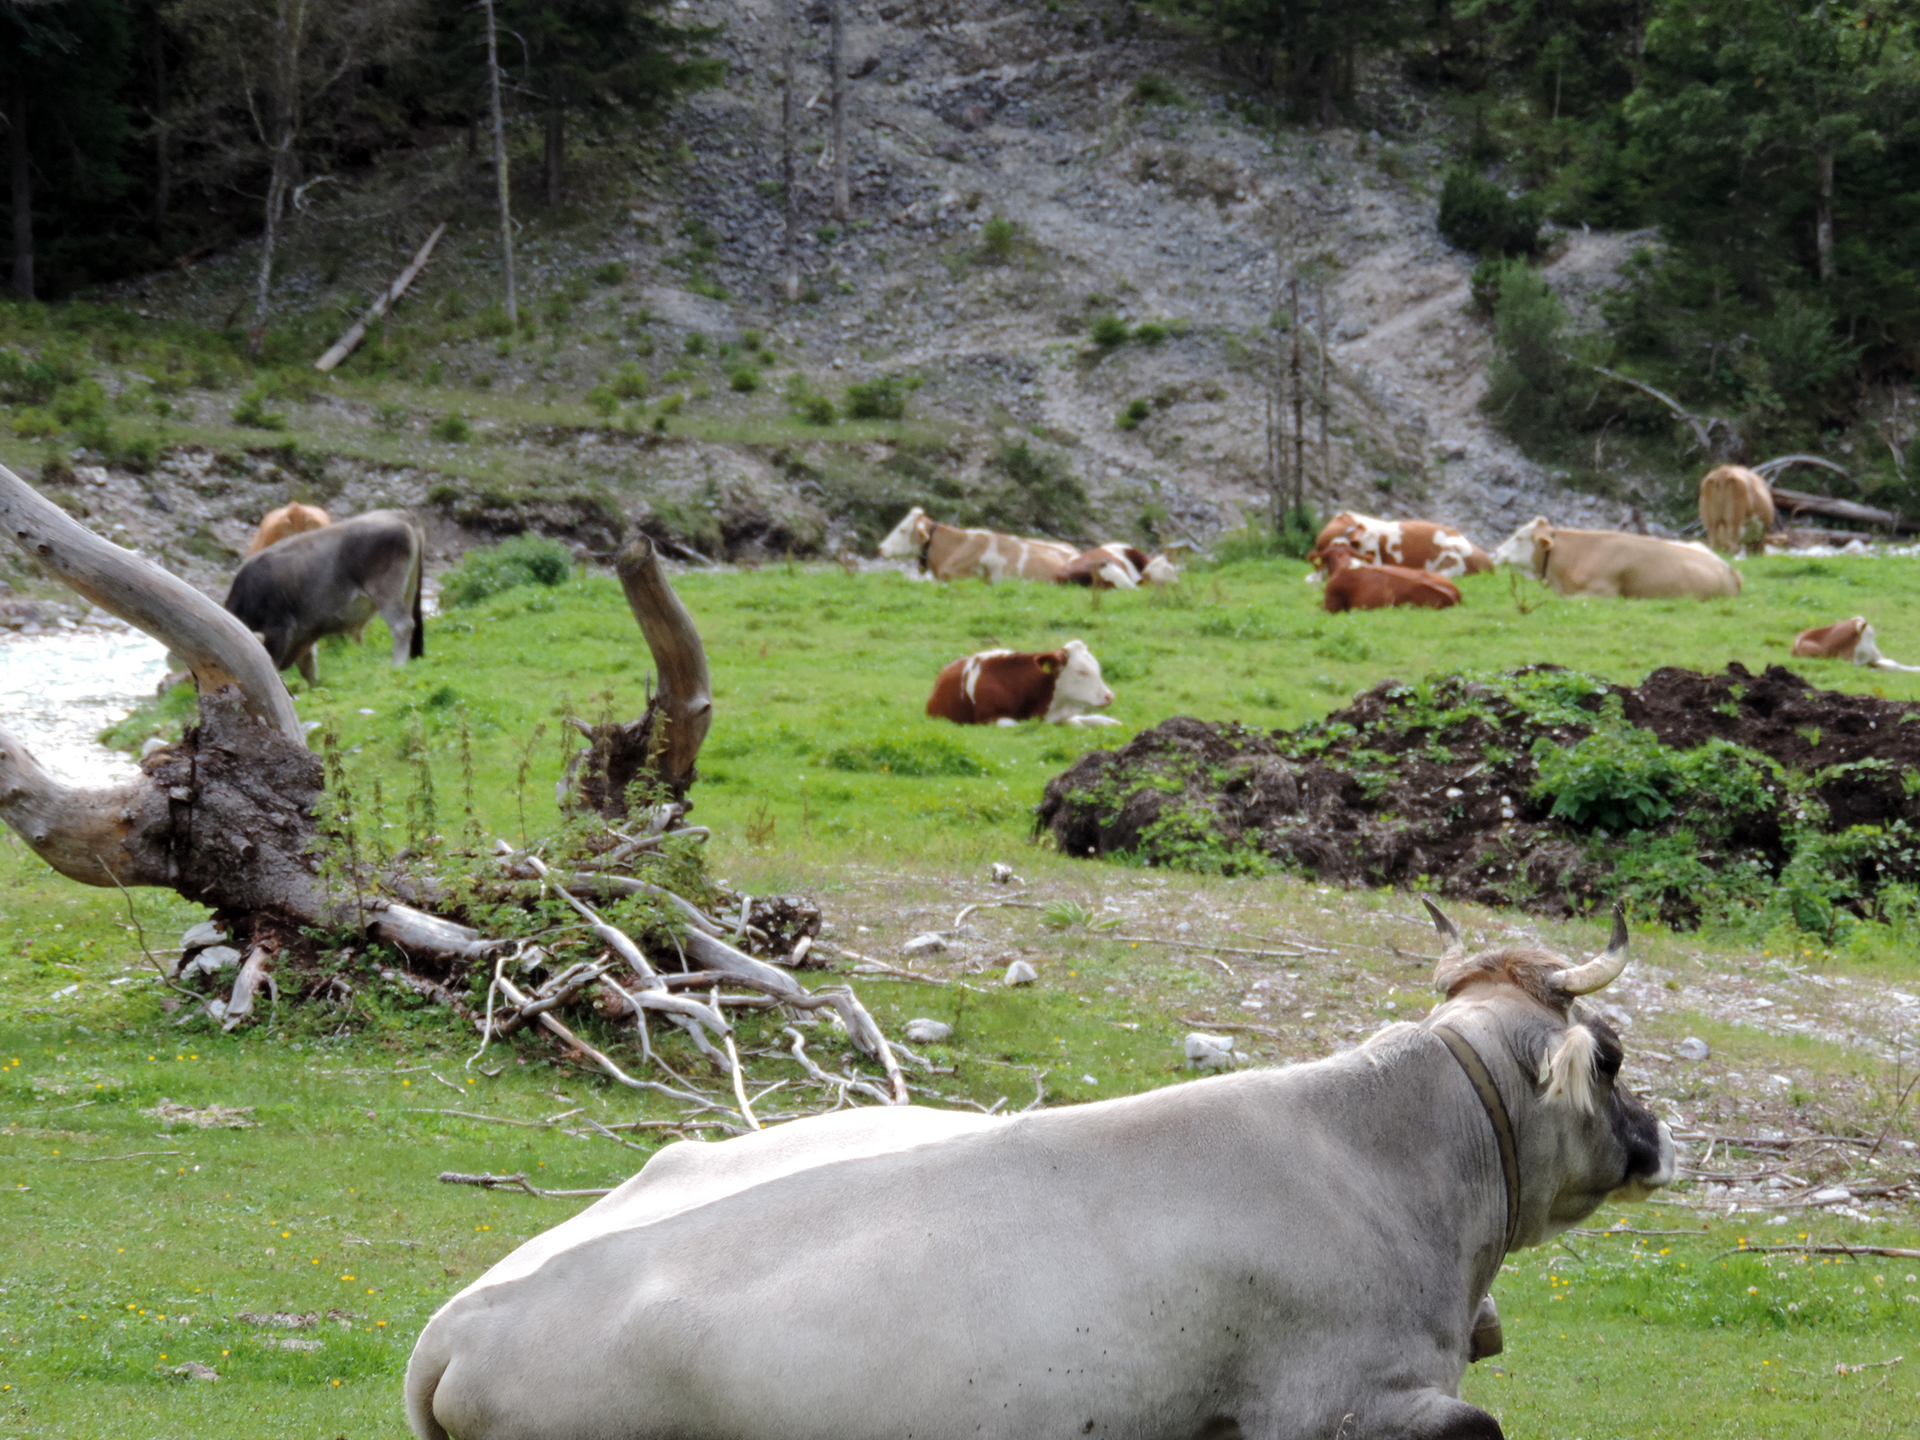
{"type": "Point", "coordinates": [1799, 502]}
{"type": "Point", "coordinates": [344, 346]}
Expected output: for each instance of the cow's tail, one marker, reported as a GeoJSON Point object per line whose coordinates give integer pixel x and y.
{"type": "Point", "coordinates": [419, 647]}
{"type": "Point", "coordinates": [424, 1373]}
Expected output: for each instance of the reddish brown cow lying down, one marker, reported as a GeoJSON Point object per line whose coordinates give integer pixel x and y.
{"type": "Point", "coordinates": [1351, 586]}
{"type": "Point", "coordinates": [1004, 687]}
{"type": "Point", "coordinates": [1845, 640]}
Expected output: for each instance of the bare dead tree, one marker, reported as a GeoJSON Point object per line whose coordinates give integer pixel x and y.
{"type": "Point", "coordinates": [265, 73]}
{"type": "Point", "coordinates": [837, 64]}
{"type": "Point", "coordinates": [501, 180]}
{"type": "Point", "coordinates": [663, 743]}
{"type": "Point", "coordinates": [789, 144]}
{"type": "Point", "coordinates": [231, 815]}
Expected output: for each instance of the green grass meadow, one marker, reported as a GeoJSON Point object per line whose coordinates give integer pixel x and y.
{"type": "Point", "coordinates": [131, 1246]}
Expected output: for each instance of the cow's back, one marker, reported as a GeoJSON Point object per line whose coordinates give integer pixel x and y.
{"type": "Point", "coordinates": [315, 583]}
{"type": "Point", "coordinates": [1611, 563]}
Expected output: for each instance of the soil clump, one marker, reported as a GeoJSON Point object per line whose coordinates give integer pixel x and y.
{"type": "Point", "coordinates": [1694, 796]}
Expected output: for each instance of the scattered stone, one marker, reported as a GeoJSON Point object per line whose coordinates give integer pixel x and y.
{"type": "Point", "coordinates": [1693, 1048]}
{"type": "Point", "coordinates": [1021, 973]}
{"type": "Point", "coordinates": [1209, 1052]}
{"type": "Point", "coordinates": [928, 1032]}
{"type": "Point", "coordinates": [211, 961]}
{"type": "Point", "coordinates": [153, 743]}
{"type": "Point", "coordinates": [211, 1117]}
{"type": "Point", "coordinates": [1002, 874]}
{"type": "Point", "coordinates": [207, 932]}
{"type": "Point", "coordinates": [927, 944]}
{"type": "Point", "coordinates": [194, 1370]}
{"type": "Point", "coordinates": [1832, 1195]}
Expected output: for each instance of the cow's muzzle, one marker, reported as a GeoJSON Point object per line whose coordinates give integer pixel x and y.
{"type": "Point", "coordinates": [1642, 1182]}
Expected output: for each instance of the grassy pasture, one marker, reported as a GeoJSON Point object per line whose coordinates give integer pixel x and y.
{"type": "Point", "coordinates": [823, 774]}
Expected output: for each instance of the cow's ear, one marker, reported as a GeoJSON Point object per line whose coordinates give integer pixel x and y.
{"type": "Point", "coordinates": [1050, 664]}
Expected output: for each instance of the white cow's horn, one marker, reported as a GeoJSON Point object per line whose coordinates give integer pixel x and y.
{"type": "Point", "coordinates": [1456, 947]}
{"type": "Point", "coordinates": [1602, 970]}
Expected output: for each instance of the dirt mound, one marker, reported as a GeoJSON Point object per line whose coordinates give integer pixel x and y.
{"type": "Point", "coordinates": [1694, 795]}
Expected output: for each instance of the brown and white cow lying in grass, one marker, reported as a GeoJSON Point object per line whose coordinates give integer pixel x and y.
{"type": "Point", "coordinates": [1004, 687]}
{"type": "Point", "coordinates": [1117, 567]}
{"type": "Point", "coordinates": [1846, 640]}
{"type": "Point", "coordinates": [947, 552]}
{"type": "Point", "coordinates": [1352, 586]}
{"type": "Point", "coordinates": [288, 520]}
{"type": "Point", "coordinates": [1415, 544]}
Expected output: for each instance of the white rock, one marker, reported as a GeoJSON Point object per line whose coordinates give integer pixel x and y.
{"type": "Point", "coordinates": [212, 961]}
{"type": "Point", "coordinates": [1002, 874]}
{"type": "Point", "coordinates": [207, 932]}
{"type": "Point", "coordinates": [1832, 1195]}
{"type": "Point", "coordinates": [927, 944]}
{"type": "Point", "coordinates": [1693, 1048]}
{"type": "Point", "coordinates": [217, 1010]}
{"type": "Point", "coordinates": [928, 1032]}
{"type": "Point", "coordinates": [1209, 1052]}
{"type": "Point", "coordinates": [1021, 973]}
{"type": "Point", "coordinates": [1614, 1015]}
{"type": "Point", "coordinates": [153, 743]}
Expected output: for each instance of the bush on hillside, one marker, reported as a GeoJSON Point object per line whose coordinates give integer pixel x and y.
{"type": "Point", "coordinates": [1530, 384]}
{"type": "Point", "coordinates": [523, 560]}
{"type": "Point", "coordinates": [1478, 216]}
{"type": "Point", "coordinates": [1036, 493]}
{"type": "Point", "coordinates": [884, 398]}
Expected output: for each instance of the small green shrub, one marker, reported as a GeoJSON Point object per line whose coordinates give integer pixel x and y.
{"type": "Point", "coordinates": [1108, 331]}
{"type": "Point", "coordinates": [1150, 332]}
{"type": "Point", "coordinates": [493, 323]}
{"type": "Point", "coordinates": [697, 343]}
{"type": "Point", "coordinates": [252, 412]}
{"type": "Point", "coordinates": [32, 424]}
{"type": "Point", "coordinates": [1478, 216]}
{"type": "Point", "coordinates": [884, 398]}
{"type": "Point", "coordinates": [390, 418]}
{"type": "Point", "coordinates": [1617, 778]}
{"type": "Point", "coordinates": [610, 272]}
{"type": "Point", "coordinates": [997, 238]}
{"type": "Point", "coordinates": [919, 756]}
{"type": "Point", "coordinates": [604, 402]}
{"type": "Point", "coordinates": [523, 560]}
{"type": "Point", "coordinates": [744, 378]}
{"type": "Point", "coordinates": [629, 382]}
{"type": "Point", "coordinates": [1135, 414]}
{"type": "Point", "coordinates": [1152, 89]}
{"type": "Point", "coordinates": [452, 428]}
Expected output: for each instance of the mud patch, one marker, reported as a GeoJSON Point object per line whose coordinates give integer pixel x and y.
{"type": "Point", "coordinates": [1691, 795]}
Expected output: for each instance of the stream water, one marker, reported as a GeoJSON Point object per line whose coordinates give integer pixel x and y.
{"type": "Point", "coordinates": [59, 690]}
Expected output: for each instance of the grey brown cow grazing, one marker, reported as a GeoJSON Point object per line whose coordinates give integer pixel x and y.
{"type": "Point", "coordinates": [331, 581]}
{"type": "Point", "coordinates": [1282, 1253]}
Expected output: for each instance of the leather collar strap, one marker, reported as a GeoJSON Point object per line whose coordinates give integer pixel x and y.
{"type": "Point", "coordinates": [1497, 1116]}
{"type": "Point", "coordinates": [926, 550]}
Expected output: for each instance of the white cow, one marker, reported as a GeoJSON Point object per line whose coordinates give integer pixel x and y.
{"type": "Point", "coordinates": [1281, 1253]}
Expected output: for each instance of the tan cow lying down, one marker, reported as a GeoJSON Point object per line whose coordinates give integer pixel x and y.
{"type": "Point", "coordinates": [1615, 564]}
{"type": "Point", "coordinates": [1004, 687]}
{"type": "Point", "coordinates": [1117, 567]}
{"type": "Point", "coordinates": [1846, 640]}
{"type": "Point", "coordinates": [1731, 498]}
{"type": "Point", "coordinates": [947, 552]}
{"type": "Point", "coordinates": [1352, 586]}
{"type": "Point", "coordinates": [1415, 544]}
{"type": "Point", "coordinates": [287, 520]}
{"type": "Point", "coordinates": [1289, 1253]}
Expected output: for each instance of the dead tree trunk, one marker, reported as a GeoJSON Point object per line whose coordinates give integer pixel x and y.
{"type": "Point", "coordinates": [665, 741]}
{"type": "Point", "coordinates": [789, 142]}
{"type": "Point", "coordinates": [837, 64]}
{"type": "Point", "coordinates": [502, 189]}
{"type": "Point", "coordinates": [20, 173]}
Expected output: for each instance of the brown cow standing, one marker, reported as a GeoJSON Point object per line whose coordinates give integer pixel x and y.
{"type": "Point", "coordinates": [1417, 544]}
{"type": "Point", "coordinates": [1352, 586]}
{"type": "Point", "coordinates": [287, 520]}
{"type": "Point", "coordinates": [1731, 498]}
{"type": "Point", "coordinates": [1004, 687]}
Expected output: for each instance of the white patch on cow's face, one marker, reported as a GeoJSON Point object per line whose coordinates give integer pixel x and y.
{"type": "Point", "coordinates": [1078, 686]}
{"type": "Point", "coordinates": [1567, 1071]}
{"type": "Point", "coordinates": [908, 536]}
{"type": "Point", "coordinates": [1517, 548]}
{"type": "Point", "coordinates": [1119, 576]}
{"type": "Point", "coordinates": [970, 672]}
{"type": "Point", "coordinates": [1453, 553]}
